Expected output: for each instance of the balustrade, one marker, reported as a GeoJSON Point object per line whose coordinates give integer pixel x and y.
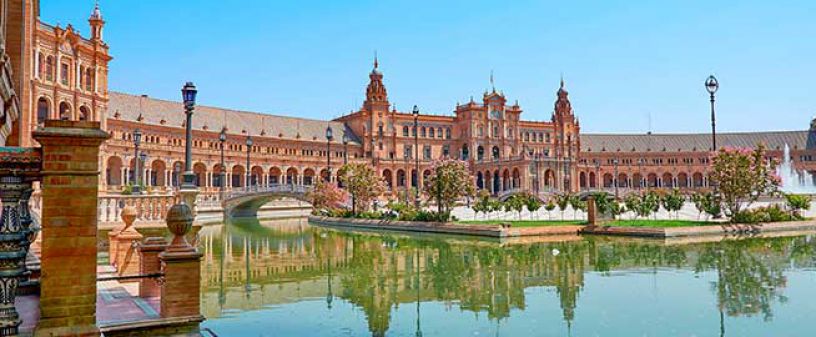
{"type": "Point", "coordinates": [148, 207]}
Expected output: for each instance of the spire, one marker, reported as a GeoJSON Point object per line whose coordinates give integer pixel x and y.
{"type": "Point", "coordinates": [375, 92]}
{"type": "Point", "coordinates": [96, 14]}
{"type": "Point", "coordinates": [376, 63]}
{"type": "Point", "coordinates": [493, 85]}
{"type": "Point", "coordinates": [562, 104]}
{"type": "Point", "coordinates": [562, 80]}
{"type": "Point", "coordinates": [96, 22]}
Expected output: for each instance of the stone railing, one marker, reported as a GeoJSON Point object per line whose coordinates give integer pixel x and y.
{"type": "Point", "coordinates": [148, 207]}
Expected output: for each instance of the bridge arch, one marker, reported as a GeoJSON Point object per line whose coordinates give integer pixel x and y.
{"type": "Point", "coordinates": [246, 203]}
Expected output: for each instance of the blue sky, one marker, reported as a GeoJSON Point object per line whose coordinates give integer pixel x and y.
{"type": "Point", "coordinates": [623, 61]}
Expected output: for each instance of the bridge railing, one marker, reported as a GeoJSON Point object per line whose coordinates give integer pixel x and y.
{"type": "Point", "coordinates": [279, 188]}
{"type": "Point", "coordinates": [148, 207]}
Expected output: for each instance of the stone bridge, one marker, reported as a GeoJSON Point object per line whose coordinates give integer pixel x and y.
{"type": "Point", "coordinates": [246, 202]}
{"type": "Point", "coordinates": [543, 195]}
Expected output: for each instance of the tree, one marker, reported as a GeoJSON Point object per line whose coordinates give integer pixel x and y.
{"type": "Point", "coordinates": [516, 203]}
{"type": "Point", "coordinates": [697, 199]}
{"type": "Point", "coordinates": [673, 202]}
{"type": "Point", "coordinates": [742, 176]}
{"type": "Point", "coordinates": [326, 196]}
{"type": "Point", "coordinates": [577, 205]}
{"type": "Point", "coordinates": [482, 204]}
{"type": "Point", "coordinates": [632, 202]}
{"type": "Point", "coordinates": [533, 205]}
{"type": "Point", "coordinates": [362, 183]}
{"type": "Point", "coordinates": [495, 206]}
{"type": "Point", "coordinates": [449, 182]}
{"type": "Point", "coordinates": [796, 203]}
{"type": "Point", "coordinates": [562, 200]}
{"type": "Point", "coordinates": [549, 207]}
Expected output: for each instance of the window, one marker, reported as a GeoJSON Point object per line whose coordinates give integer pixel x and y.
{"type": "Point", "coordinates": [42, 110]}
{"type": "Point", "coordinates": [448, 133]}
{"type": "Point", "coordinates": [439, 132]}
{"type": "Point", "coordinates": [64, 73]}
{"type": "Point", "coordinates": [408, 152]}
{"type": "Point", "coordinates": [380, 130]}
{"type": "Point", "coordinates": [49, 68]}
{"type": "Point", "coordinates": [405, 131]}
{"type": "Point", "coordinates": [426, 152]}
{"type": "Point", "coordinates": [89, 79]}
{"type": "Point", "coordinates": [431, 132]}
{"type": "Point", "coordinates": [422, 132]}
{"type": "Point", "coordinates": [445, 150]}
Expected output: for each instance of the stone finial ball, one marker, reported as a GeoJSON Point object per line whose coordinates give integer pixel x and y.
{"type": "Point", "coordinates": [129, 215]}
{"type": "Point", "coordinates": [179, 219]}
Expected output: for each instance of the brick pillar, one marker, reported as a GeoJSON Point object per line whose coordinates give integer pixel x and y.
{"type": "Point", "coordinates": [149, 252]}
{"type": "Point", "coordinates": [181, 264]}
{"type": "Point", "coordinates": [69, 209]}
{"type": "Point", "coordinates": [127, 259]}
{"type": "Point", "coordinates": [592, 216]}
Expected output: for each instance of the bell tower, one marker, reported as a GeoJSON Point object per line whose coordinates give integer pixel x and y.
{"type": "Point", "coordinates": [375, 109]}
{"type": "Point", "coordinates": [97, 24]}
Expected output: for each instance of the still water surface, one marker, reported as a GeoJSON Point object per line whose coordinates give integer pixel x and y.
{"type": "Point", "coordinates": [287, 278]}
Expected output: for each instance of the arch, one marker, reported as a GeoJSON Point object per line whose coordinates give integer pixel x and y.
{"type": "Point", "coordinates": [480, 153]}
{"type": "Point", "coordinates": [275, 175]}
{"type": "Point", "coordinates": [465, 152]}
{"type": "Point", "coordinates": [448, 133]}
{"type": "Point", "coordinates": [592, 180]}
{"type": "Point", "coordinates": [291, 176]}
{"type": "Point", "coordinates": [516, 181]}
{"type": "Point", "coordinates": [200, 171]}
{"type": "Point", "coordinates": [175, 175]}
{"type": "Point", "coordinates": [651, 180]}
{"type": "Point", "coordinates": [496, 153]}
{"type": "Point", "coordinates": [324, 175]}
{"type": "Point", "coordinates": [400, 178]}
{"type": "Point", "coordinates": [414, 178]}
{"type": "Point", "coordinates": [113, 171]}
{"type": "Point", "coordinates": [84, 113]}
{"type": "Point", "coordinates": [582, 182]}
{"type": "Point", "coordinates": [479, 180]}
{"type": "Point", "coordinates": [256, 176]}
{"type": "Point", "coordinates": [506, 180]}
{"type": "Point", "coordinates": [496, 182]}
{"type": "Point", "coordinates": [64, 111]}
{"type": "Point", "coordinates": [217, 180]}
{"type": "Point", "coordinates": [237, 175]}
{"type": "Point", "coordinates": [637, 180]}
{"type": "Point", "coordinates": [158, 170]}
{"type": "Point", "coordinates": [423, 132]}
{"type": "Point", "coordinates": [623, 180]}
{"type": "Point", "coordinates": [308, 176]}
{"type": "Point", "coordinates": [386, 174]}
{"type": "Point", "coordinates": [607, 180]}
{"type": "Point", "coordinates": [43, 110]}
{"type": "Point", "coordinates": [682, 180]}
{"type": "Point", "coordinates": [549, 178]}
{"type": "Point", "coordinates": [431, 132]}
{"type": "Point", "coordinates": [667, 180]}
{"type": "Point", "coordinates": [425, 175]}
{"type": "Point", "coordinates": [697, 179]}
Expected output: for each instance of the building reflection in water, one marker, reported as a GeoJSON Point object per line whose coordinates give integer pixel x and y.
{"type": "Point", "coordinates": [288, 261]}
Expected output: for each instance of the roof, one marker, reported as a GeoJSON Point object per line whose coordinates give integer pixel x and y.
{"type": "Point", "coordinates": [153, 111]}
{"type": "Point", "coordinates": [774, 140]}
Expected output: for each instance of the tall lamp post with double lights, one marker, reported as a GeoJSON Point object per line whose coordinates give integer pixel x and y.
{"type": "Point", "coordinates": [345, 148]}
{"type": "Point", "coordinates": [137, 140]}
{"type": "Point", "coordinates": [416, 151]}
{"type": "Point", "coordinates": [329, 137]}
{"type": "Point", "coordinates": [249, 171]}
{"type": "Point", "coordinates": [712, 85]}
{"type": "Point", "coordinates": [222, 138]}
{"type": "Point", "coordinates": [188, 94]}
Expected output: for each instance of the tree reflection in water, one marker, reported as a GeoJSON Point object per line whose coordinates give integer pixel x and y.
{"type": "Point", "coordinates": [378, 272]}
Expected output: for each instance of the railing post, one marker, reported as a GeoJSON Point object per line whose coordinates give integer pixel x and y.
{"type": "Point", "coordinates": [127, 261]}
{"type": "Point", "coordinates": [149, 252]}
{"type": "Point", "coordinates": [181, 265]}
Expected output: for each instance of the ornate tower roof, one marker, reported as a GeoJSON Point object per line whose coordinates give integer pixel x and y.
{"type": "Point", "coordinates": [375, 92]}
{"type": "Point", "coordinates": [562, 104]}
{"type": "Point", "coordinates": [97, 23]}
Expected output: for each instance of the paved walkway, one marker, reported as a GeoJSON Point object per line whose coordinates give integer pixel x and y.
{"type": "Point", "coordinates": [118, 302]}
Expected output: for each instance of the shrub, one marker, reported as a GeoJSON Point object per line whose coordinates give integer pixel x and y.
{"type": "Point", "coordinates": [549, 207]}
{"type": "Point", "coordinates": [632, 202]}
{"type": "Point", "coordinates": [673, 202]}
{"type": "Point", "coordinates": [772, 213]}
{"type": "Point", "coordinates": [742, 176]}
{"type": "Point", "coordinates": [796, 203]}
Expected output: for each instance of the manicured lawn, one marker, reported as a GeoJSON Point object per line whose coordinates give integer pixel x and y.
{"type": "Point", "coordinates": [660, 223]}
{"type": "Point", "coordinates": [524, 223]}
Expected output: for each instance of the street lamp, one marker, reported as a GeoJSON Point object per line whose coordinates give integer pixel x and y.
{"type": "Point", "coordinates": [615, 179]}
{"type": "Point", "coordinates": [345, 148]}
{"type": "Point", "coordinates": [329, 137]}
{"type": "Point", "coordinates": [416, 150]}
{"type": "Point", "coordinates": [137, 140]}
{"type": "Point", "coordinates": [249, 150]}
{"type": "Point", "coordinates": [143, 161]}
{"type": "Point", "coordinates": [188, 94]}
{"type": "Point", "coordinates": [222, 138]}
{"type": "Point", "coordinates": [711, 85]}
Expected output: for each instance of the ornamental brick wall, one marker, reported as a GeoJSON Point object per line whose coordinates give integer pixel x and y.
{"type": "Point", "coordinates": [69, 233]}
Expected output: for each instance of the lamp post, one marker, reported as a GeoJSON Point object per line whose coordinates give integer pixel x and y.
{"type": "Point", "coordinates": [416, 150]}
{"type": "Point", "coordinates": [143, 169]}
{"type": "Point", "coordinates": [188, 94]}
{"type": "Point", "coordinates": [137, 140]}
{"type": "Point", "coordinates": [249, 171]}
{"type": "Point", "coordinates": [222, 138]}
{"type": "Point", "coordinates": [711, 85]}
{"type": "Point", "coordinates": [329, 137]}
{"type": "Point", "coordinates": [345, 148]}
{"type": "Point", "coordinates": [615, 179]}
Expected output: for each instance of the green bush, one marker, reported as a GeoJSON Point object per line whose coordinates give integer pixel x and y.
{"type": "Point", "coordinates": [772, 213]}
{"type": "Point", "coordinates": [796, 203]}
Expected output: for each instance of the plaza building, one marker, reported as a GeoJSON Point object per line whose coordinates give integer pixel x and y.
{"type": "Point", "coordinates": [64, 76]}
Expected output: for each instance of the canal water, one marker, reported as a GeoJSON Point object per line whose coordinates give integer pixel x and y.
{"type": "Point", "coordinates": [288, 278]}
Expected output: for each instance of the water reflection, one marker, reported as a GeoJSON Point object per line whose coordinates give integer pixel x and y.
{"type": "Point", "coordinates": [252, 267]}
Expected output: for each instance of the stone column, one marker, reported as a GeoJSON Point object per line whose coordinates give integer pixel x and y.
{"type": "Point", "coordinates": [181, 264]}
{"type": "Point", "coordinates": [69, 198]}
{"type": "Point", "coordinates": [13, 250]}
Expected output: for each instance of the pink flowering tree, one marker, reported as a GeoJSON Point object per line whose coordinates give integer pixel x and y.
{"type": "Point", "coordinates": [362, 183]}
{"type": "Point", "coordinates": [327, 196]}
{"type": "Point", "coordinates": [450, 181]}
{"type": "Point", "coordinates": [742, 175]}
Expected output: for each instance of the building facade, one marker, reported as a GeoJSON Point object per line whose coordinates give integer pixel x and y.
{"type": "Point", "coordinates": [64, 76]}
